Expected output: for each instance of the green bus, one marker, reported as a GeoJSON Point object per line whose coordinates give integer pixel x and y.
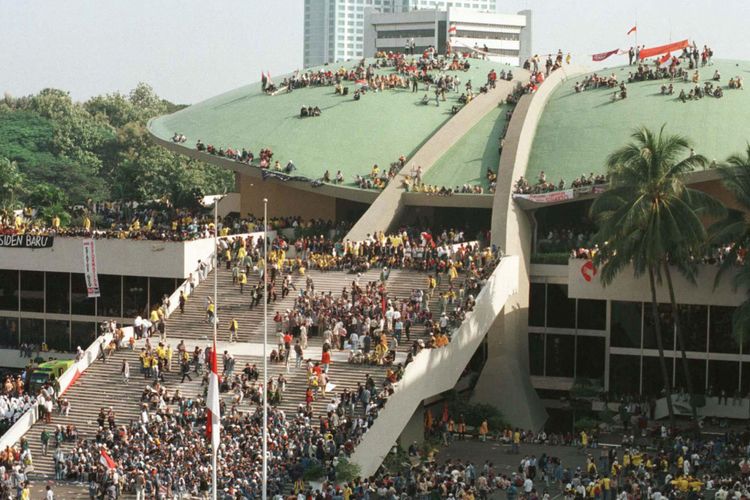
{"type": "Point", "coordinates": [48, 372]}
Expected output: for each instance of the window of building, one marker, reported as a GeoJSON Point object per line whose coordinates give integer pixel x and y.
{"type": "Point", "coordinates": [590, 356]}
{"type": "Point", "coordinates": [159, 288]}
{"type": "Point", "coordinates": [625, 324]}
{"type": "Point", "coordinates": [560, 356]}
{"type": "Point", "coordinates": [536, 354]}
{"type": "Point", "coordinates": [666, 323]}
{"type": "Point", "coordinates": [653, 379]}
{"type": "Point", "coordinates": [8, 290]}
{"type": "Point", "coordinates": [8, 332]}
{"type": "Point", "coordinates": [697, 369]}
{"type": "Point", "coordinates": [79, 296]}
{"type": "Point", "coordinates": [723, 376]}
{"type": "Point", "coordinates": [110, 303]}
{"type": "Point", "coordinates": [624, 384]}
{"type": "Point", "coordinates": [694, 324]}
{"type": "Point", "coordinates": [537, 303]}
{"type": "Point", "coordinates": [561, 310]}
{"type": "Point", "coordinates": [721, 338]}
{"type": "Point", "coordinates": [32, 331]}
{"type": "Point", "coordinates": [745, 375]}
{"type": "Point", "coordinates": [58, 293]}
{"type": "Point", "coordinates": [82, 333]}
{"type": "Point", "coordinates": [592, 314]}
{"type": "Point", "coordinates": [58, 335]}
{"type": "Point", "coordinates": [134, 295]}
{"type": "Point", "coordinates": [32, 291]}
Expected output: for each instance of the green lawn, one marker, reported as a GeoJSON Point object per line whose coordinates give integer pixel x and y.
{"type": "Point", "coordinates": [350, 135]}
{"type": "Point", "coordinates": [469, 159]}
{"type": "Point", "coordinates": [578, 131]}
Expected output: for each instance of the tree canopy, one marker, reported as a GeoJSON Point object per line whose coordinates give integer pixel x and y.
{"type": "Point", "coordinates": [55, 152]}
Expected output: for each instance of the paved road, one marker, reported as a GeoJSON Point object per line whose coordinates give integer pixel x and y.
{"type": "Point", "coordinates": [506, 463]}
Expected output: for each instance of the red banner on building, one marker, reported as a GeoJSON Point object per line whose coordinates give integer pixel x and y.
{"type": "Point", "coordinates": [663, 49]}
{"type": "Point", "coordinates": [603, 55]}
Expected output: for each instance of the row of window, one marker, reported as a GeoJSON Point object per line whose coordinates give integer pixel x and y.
{"type": "Point", "coordinates": [578, 356]}
{"type": "Point", "coordinates": [705, 329]}
{"type": "Point", "coordinates": [66, 293]}
{"type": "Point", "coordinates": [58, 335]}
{"type": "Point", "coordinates": [488, 35]}
{"type": "Point", "coordinates": [406, 33]}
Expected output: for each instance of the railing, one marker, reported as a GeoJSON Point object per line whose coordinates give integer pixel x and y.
{"type": "Point", "coordinates": [71, 375]}
{"type": "Point", "coordinates": [436, 370]}
{"type": "Point", "coordinates": [735, 408]}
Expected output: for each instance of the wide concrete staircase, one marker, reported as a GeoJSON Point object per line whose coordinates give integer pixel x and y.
{"type": "Point", "coordinates": [102, 386]}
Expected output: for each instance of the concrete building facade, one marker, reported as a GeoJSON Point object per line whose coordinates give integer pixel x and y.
{"type": "Point", "coordinates": [505, 37]}
{"type": "Point", "coordinates": [334, 30]}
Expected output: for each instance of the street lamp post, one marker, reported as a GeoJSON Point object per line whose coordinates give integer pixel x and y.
{"type": "Point", "coordinates": [265, 342]}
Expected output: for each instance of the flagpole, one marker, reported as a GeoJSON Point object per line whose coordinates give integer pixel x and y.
{"type": "Point", "coordinates": [265, 342]}
{"type": "Point", "coordinates": [214, 451]}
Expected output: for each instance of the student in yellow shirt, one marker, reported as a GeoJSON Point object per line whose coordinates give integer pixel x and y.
{"type": "Point", "coordinates": [233, 330]}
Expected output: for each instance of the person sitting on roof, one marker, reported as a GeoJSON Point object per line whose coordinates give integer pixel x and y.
{"type": "Point", "coordinates": [717, 76]}
{"type": "Point", "coordinates": [327, 176]}
{"type": "Point", "coordinates": [289, 167]}
{"type": "Point", "coordinates": [303, 112]}
{"type": "Point", "coordinates": [339, 177]}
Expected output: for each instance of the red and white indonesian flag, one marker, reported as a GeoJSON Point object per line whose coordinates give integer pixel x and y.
{"type": "Point", "coordinates": [106, 460]}
{"type": "Point", "coordinates": [212, 403]}
{"type": "Point", "coordinates": [665, 61]}
{"type": "Point", "coordinates": [452, 30]}
{"type": "Point", "coordinates": [663, 49]}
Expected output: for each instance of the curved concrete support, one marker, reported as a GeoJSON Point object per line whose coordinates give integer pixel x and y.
{"type": "Point", "coordinates": [385, 210]}
{"type": "Point", "coordinates": [511, 232]}
{"type": "Point", "coordinates": [436, 370]}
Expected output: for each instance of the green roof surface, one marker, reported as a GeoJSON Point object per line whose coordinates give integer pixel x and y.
{"type": "Point", "coordinates": [577, 132]}
{"type": "Point", "coordinates": [469, 159]}
{"type": "Point", "coordinates": [349, 135]}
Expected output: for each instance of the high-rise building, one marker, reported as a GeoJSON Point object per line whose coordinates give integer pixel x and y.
{"type": "Point", "coordinates": [335, 29]}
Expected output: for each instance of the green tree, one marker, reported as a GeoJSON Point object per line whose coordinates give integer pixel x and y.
{"type": "Point", "coordinates": [734, 232]}
{"type": "Point", "coordinates": [650, 219]}
{"type": "Point", "coordinates": [11, 184]}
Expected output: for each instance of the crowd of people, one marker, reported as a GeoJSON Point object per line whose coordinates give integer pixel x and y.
{"type": "Point", "coordinates": [165, 451]}
{"type": "Point", "coordinates": [14, 401]}
{"type": "Point", "coordinates": [378, 179]}
{"type": "Point", "coordinates": [523, 186]}
{"type": "Point", "coordinates": [153, 221]}
{"type": "Point", "coordinates": [683, 68]}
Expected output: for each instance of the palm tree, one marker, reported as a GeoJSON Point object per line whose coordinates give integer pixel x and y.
{"type": "Point", "coordinates": [734, 230]}
{"type": "Point", "coordinates": [649, 219]}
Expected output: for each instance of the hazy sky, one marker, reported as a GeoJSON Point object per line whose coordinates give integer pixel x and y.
{"type": "Point", "coordinates": [189, 50]}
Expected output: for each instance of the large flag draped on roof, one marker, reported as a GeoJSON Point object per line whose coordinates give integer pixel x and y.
{"type": "Point", "coordinates": [663, 49]}
{"type": "Point", "coordinates": [212, 402]}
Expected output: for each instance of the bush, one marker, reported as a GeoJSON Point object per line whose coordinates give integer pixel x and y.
{"type": "Point", "coordinates": [314, 472]}
{"type": "Point", "coordinates": [475, 413]}
{"type": "Point", "coordinates": [586, 423]}
{"type": "Point", "coordinates": [347, 471]}
{"type": "Point", "coordinates": [398, 462]}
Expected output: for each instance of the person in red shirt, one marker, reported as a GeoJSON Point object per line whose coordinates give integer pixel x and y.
{"type": "Point", "coordinates": [325, 359]}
